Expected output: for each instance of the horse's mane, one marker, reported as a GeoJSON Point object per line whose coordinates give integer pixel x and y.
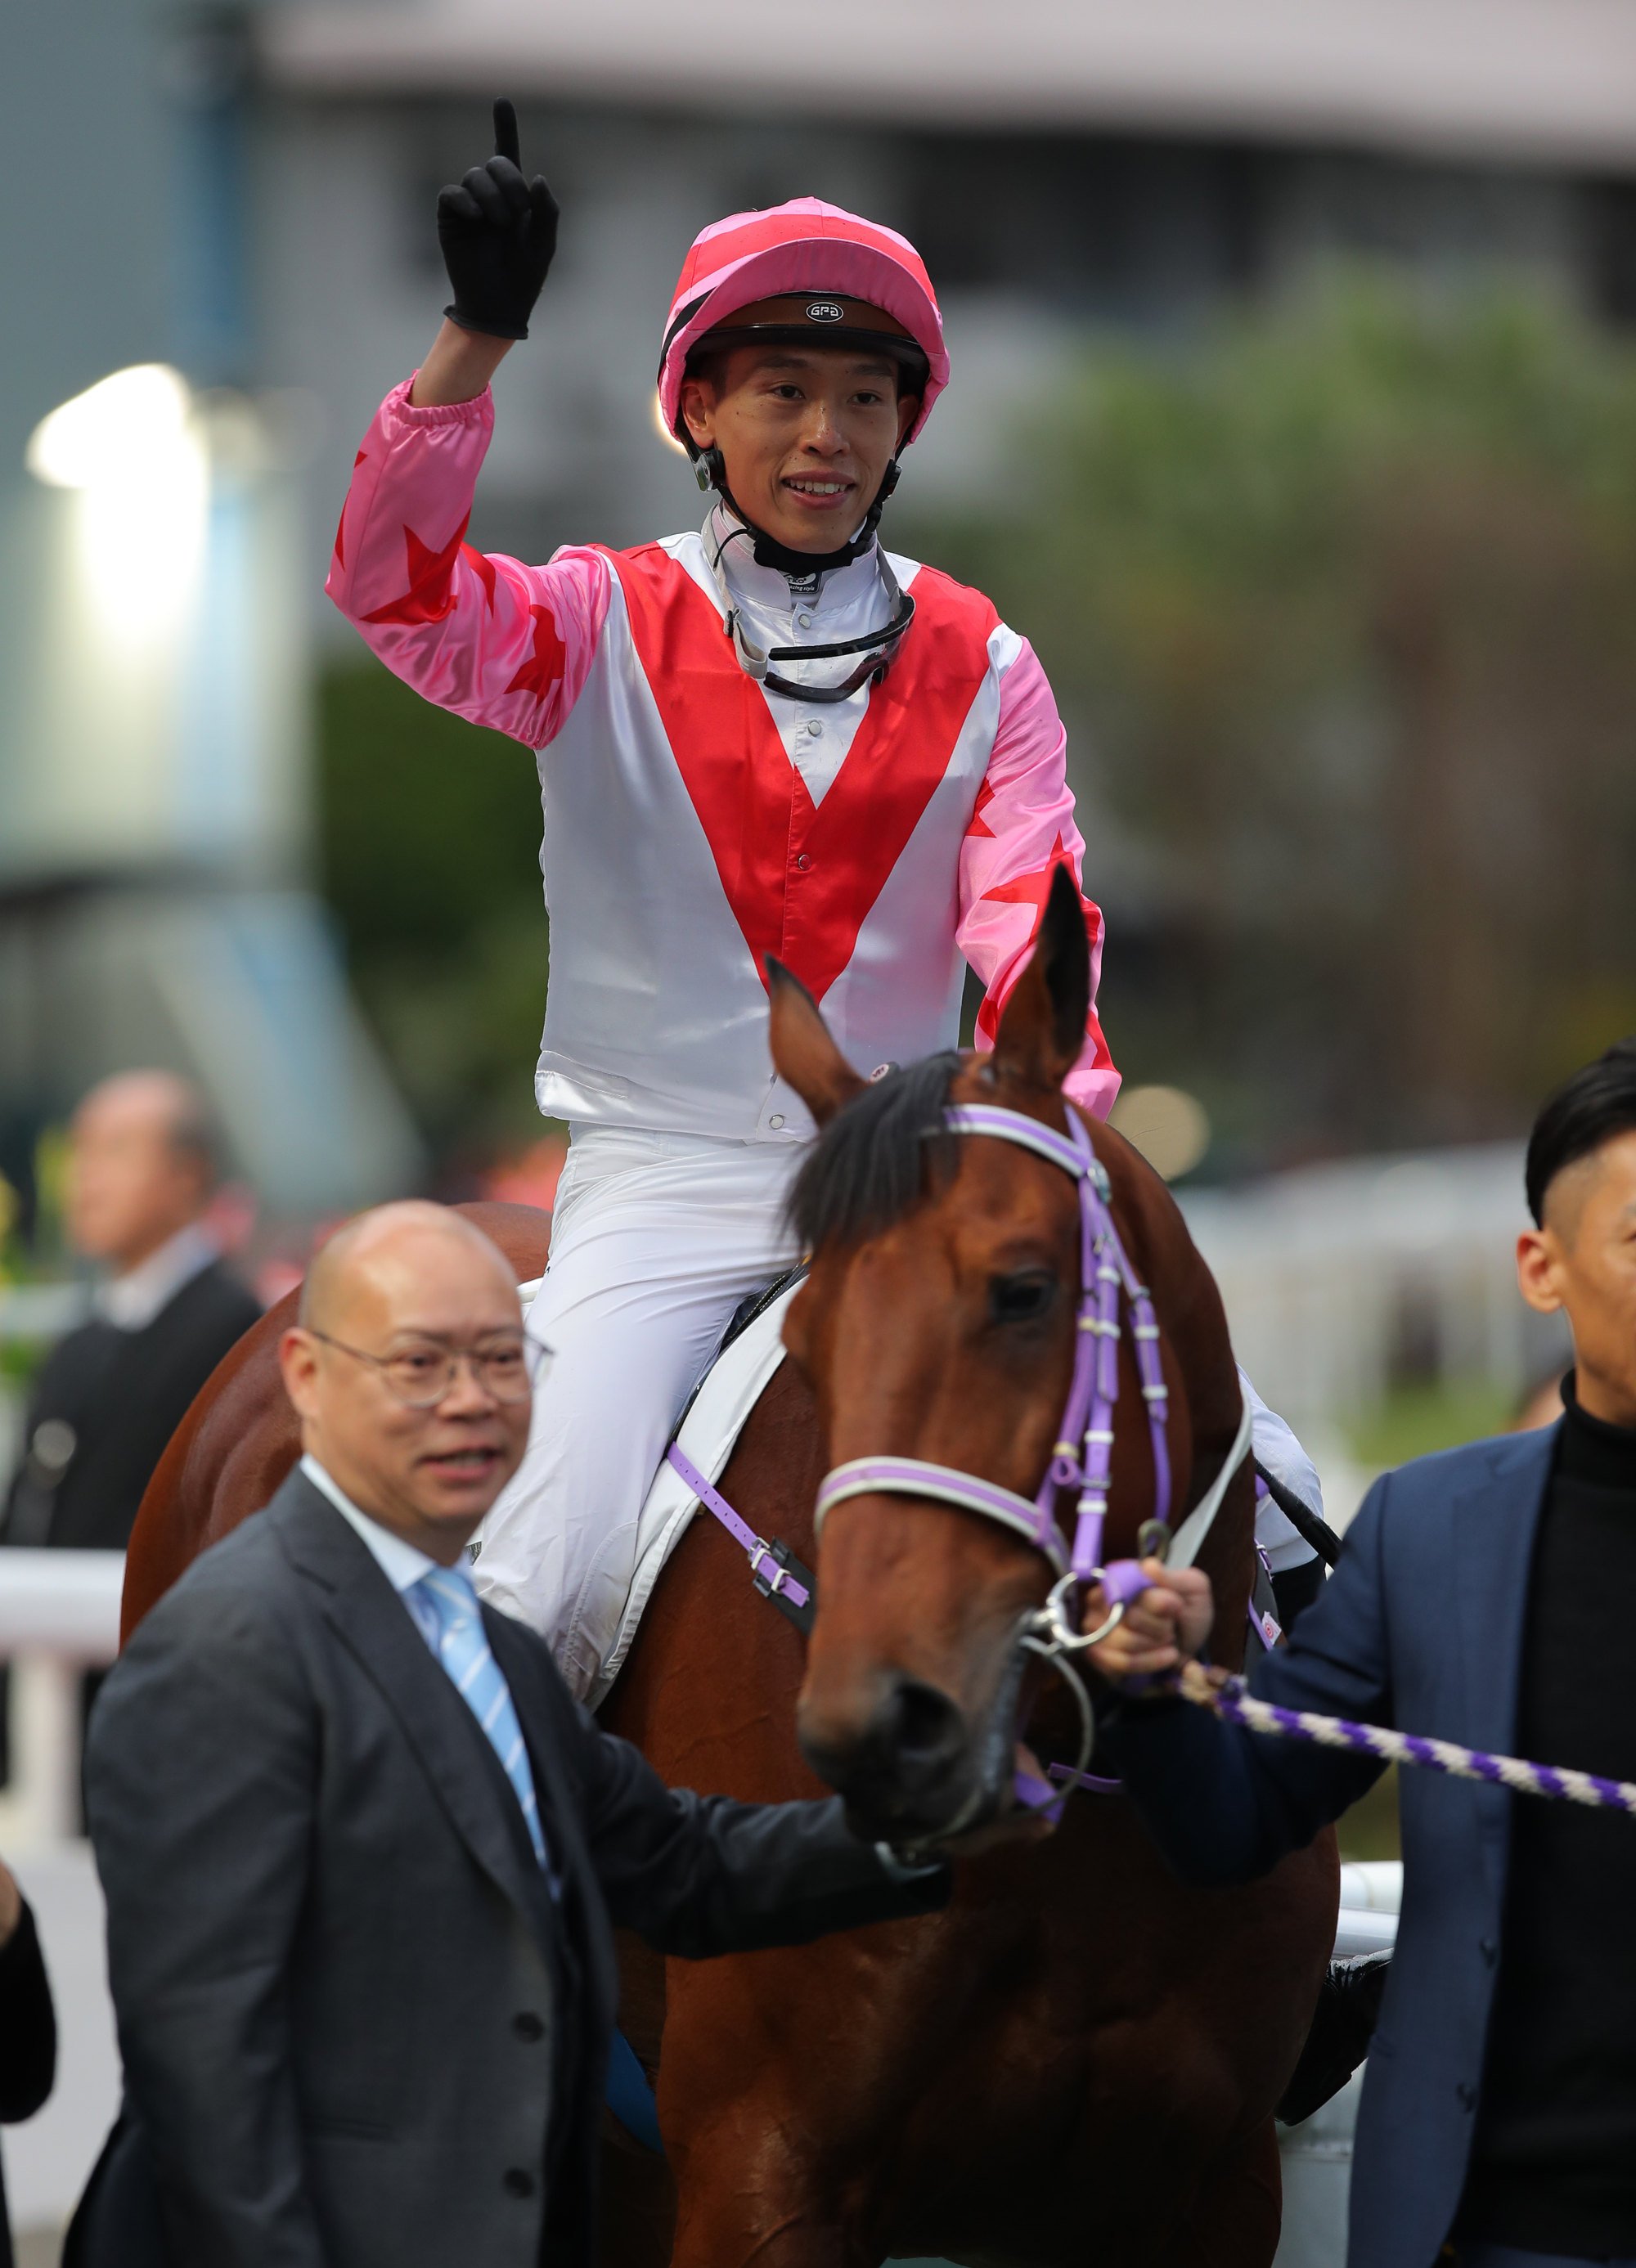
{"type": "Point", "coordinates": [877, 1156]}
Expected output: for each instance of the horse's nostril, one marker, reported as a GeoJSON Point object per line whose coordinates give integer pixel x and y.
{"type": "Point", "coordinates": [906, 1758]}
{"type": "Point", "coordinates": [919, 1726]}
{"type": "Point", "coordinates": [904, 1749]}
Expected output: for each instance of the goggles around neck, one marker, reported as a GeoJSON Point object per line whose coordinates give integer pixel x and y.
{"type": "Point", "coordinates": [877, 647]}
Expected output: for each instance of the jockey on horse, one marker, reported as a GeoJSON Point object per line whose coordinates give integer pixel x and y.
{"type": "Point", "coordinates": [770, 736]}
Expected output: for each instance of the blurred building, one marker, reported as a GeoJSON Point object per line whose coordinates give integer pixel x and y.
{"type": "Point", "coordinates": [1065, 166]}
{"type": "Point", "coordinates": [250, 200]}
{"type": "Point", "coordinates": [155, 899]}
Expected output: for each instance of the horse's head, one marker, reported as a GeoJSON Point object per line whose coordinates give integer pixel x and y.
{"type": "Point", "coordinates": [938, 1323]}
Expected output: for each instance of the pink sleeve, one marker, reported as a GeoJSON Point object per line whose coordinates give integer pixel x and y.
{"type": "Point", "coordinates": [1021, 831]}
{"type": "Point", "coordinates": [498, 643]}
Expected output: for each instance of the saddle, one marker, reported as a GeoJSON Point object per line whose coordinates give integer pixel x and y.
{"type": "Point", "coordinates": [734, 1380]}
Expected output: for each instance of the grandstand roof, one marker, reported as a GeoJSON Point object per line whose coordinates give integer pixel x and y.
{"type": "Point", "coordinates": [1548, 81]}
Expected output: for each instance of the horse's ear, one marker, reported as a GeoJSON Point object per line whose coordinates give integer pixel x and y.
{"type": "Point", "coordinates": [1042, 1029]}
{"type": "Point", "coordinates": [803, 1054]}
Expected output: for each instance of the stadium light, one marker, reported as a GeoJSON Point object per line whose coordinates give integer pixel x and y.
{"type": "Point", "coordinates": [134, 456]}
{"type": "Point", "coordinates": [113, 432]}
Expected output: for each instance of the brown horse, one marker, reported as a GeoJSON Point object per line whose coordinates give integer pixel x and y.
{"type": "Point", "coordinates": [1077, 2062]}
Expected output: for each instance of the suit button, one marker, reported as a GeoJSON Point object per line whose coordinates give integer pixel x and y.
{"type": "Point", "coordinates": [1489, 1950]}
{"type": "Point", "coordinates": [517, 2182]}
{"type": "Point", "coordinates": [528, 2025]}
{"type": "Point", "coordinates": [1467, 2095]}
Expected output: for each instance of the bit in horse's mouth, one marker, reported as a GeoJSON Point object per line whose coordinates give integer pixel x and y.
{"type": "Point", "coordinates": [995, 1748]}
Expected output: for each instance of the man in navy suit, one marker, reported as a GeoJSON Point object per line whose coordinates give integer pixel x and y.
{"type": "Point", "coordinates": [1485, 1596]}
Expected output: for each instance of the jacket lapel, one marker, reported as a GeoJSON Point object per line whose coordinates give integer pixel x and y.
{"type": "Point", "coordinates": [542, 1701]}
{"type": "Point", "coordinates": [1495, 1523]}
{"type": "Point", "coordinates": [374, 1623]}
{"type": "Point", "coordinates": [537, 1710]}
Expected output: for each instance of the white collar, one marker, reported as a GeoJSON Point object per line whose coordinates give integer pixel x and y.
{"type": "Point", "coordinates": [402, 1563]}
{"type": "Point", "coordinates": [132, 1300]}
{"type": "Point", "coordinates": [769, 588]}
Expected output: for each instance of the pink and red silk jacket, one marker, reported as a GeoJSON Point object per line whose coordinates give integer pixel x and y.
{"type": "Point", "coordinates": [683, 839]}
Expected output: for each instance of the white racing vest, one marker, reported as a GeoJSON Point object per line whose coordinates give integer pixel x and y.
{"type": "Point", "coordinates": [682, 846]}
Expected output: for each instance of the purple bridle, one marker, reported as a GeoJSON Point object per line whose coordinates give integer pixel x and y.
{"type": "Point", "coordinates": [1082, 1456]}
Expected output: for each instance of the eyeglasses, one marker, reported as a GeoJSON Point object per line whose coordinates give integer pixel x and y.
{"type": "Point", "coordinates": [420, 1375]}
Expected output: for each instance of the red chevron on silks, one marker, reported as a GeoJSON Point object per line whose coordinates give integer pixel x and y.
{"type": "Point", "coordinates": [695, 822]}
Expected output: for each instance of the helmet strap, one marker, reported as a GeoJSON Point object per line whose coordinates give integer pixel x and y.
{"type": "Point", "coordinates": [711, 472]}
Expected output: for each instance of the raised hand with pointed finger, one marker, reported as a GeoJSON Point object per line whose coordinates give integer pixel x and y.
{"type": "Point", "coordinates": [498, 235]}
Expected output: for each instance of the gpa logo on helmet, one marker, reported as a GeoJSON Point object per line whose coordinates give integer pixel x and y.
{"type": "Point", "coordinates": [826, 311]}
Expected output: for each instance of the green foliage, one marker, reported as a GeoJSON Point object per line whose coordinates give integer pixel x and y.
{"type": "Point", "coordinates": [1417, 1420]}
{"type": "Point", "coordinates": [1338, 607]}
{"type": "Point", "coordinates": [429, 838]}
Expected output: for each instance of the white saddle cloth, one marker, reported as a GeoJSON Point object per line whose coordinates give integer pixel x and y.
{"type": "Point", "coordinates": [731, 1388]}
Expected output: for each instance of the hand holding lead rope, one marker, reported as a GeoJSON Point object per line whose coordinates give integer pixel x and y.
{"type": "Point", "coordinates": [1164, 1623]}
{"type": "Point", "coordinates": [499, 236]}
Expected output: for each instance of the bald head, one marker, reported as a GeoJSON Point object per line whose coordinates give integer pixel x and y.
{"type": "Point", "coordinates": [141, 1166]}
{"type": "Point", "coordinates": [378, 1257]}
{"type": "Point", "coordinates": [407, 1370]}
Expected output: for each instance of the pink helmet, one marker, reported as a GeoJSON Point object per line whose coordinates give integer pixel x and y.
{"type": "Point", "coordinates": [809, 248]}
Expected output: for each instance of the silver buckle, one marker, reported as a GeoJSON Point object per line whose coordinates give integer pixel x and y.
{"type": "Point", "coordinates": [780, 1576]}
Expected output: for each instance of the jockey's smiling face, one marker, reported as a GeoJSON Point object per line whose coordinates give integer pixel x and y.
{"type": "Point", "coordinates": [806, 435]}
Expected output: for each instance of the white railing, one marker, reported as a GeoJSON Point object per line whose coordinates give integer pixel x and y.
{"type": "Point", "coordinates": [1371, 1897]}
{"type": "Point", "coordinates": [59, 1617]}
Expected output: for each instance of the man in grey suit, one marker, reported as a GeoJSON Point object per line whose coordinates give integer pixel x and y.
{"type": "Point", "coordinates": [361, 1852]}
{"type": "Point", "coordinates": [1485, 1596]}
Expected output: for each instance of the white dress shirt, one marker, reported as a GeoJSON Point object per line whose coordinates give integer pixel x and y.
{"type": "Point", "coordinates": [132, 1300]}
{"type": "Point", "coordinates": [402, 1563]}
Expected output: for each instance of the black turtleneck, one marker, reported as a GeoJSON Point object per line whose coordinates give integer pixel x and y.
{"type": "Point", "coordinates": [1553, 2165]}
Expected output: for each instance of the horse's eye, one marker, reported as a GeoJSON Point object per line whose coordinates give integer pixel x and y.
{"type": "Point", "coordinates": [1022, 1298]}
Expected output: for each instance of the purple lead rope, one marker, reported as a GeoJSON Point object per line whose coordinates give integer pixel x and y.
{"type": "Point", "coordinates": [1229, 1698]}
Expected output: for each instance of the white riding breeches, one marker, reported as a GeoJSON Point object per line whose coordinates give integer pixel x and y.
{"type": "Point", "coordinates": [655, 1240]}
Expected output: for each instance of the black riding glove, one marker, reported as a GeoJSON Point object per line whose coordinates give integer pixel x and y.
{"type": "Point", "coordinates": [497, 232]}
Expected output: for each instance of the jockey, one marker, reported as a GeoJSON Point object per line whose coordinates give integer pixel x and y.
{"type": "Point", "coordinates": [768, 735]}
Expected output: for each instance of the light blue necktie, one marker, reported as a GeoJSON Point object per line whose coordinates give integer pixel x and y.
{"type": "Point", "coordinates": [445, 1606]}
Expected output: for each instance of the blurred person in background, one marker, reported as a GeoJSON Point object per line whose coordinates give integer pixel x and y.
{"type": "Point", "coordinates": [765, 736]}
{"type": "Point", "coordinates": [28, 2038]}
{"type": "Point", "coordinates": [1484, 1595]}
{"type": "Point", "coordinates": [141, 1171]}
